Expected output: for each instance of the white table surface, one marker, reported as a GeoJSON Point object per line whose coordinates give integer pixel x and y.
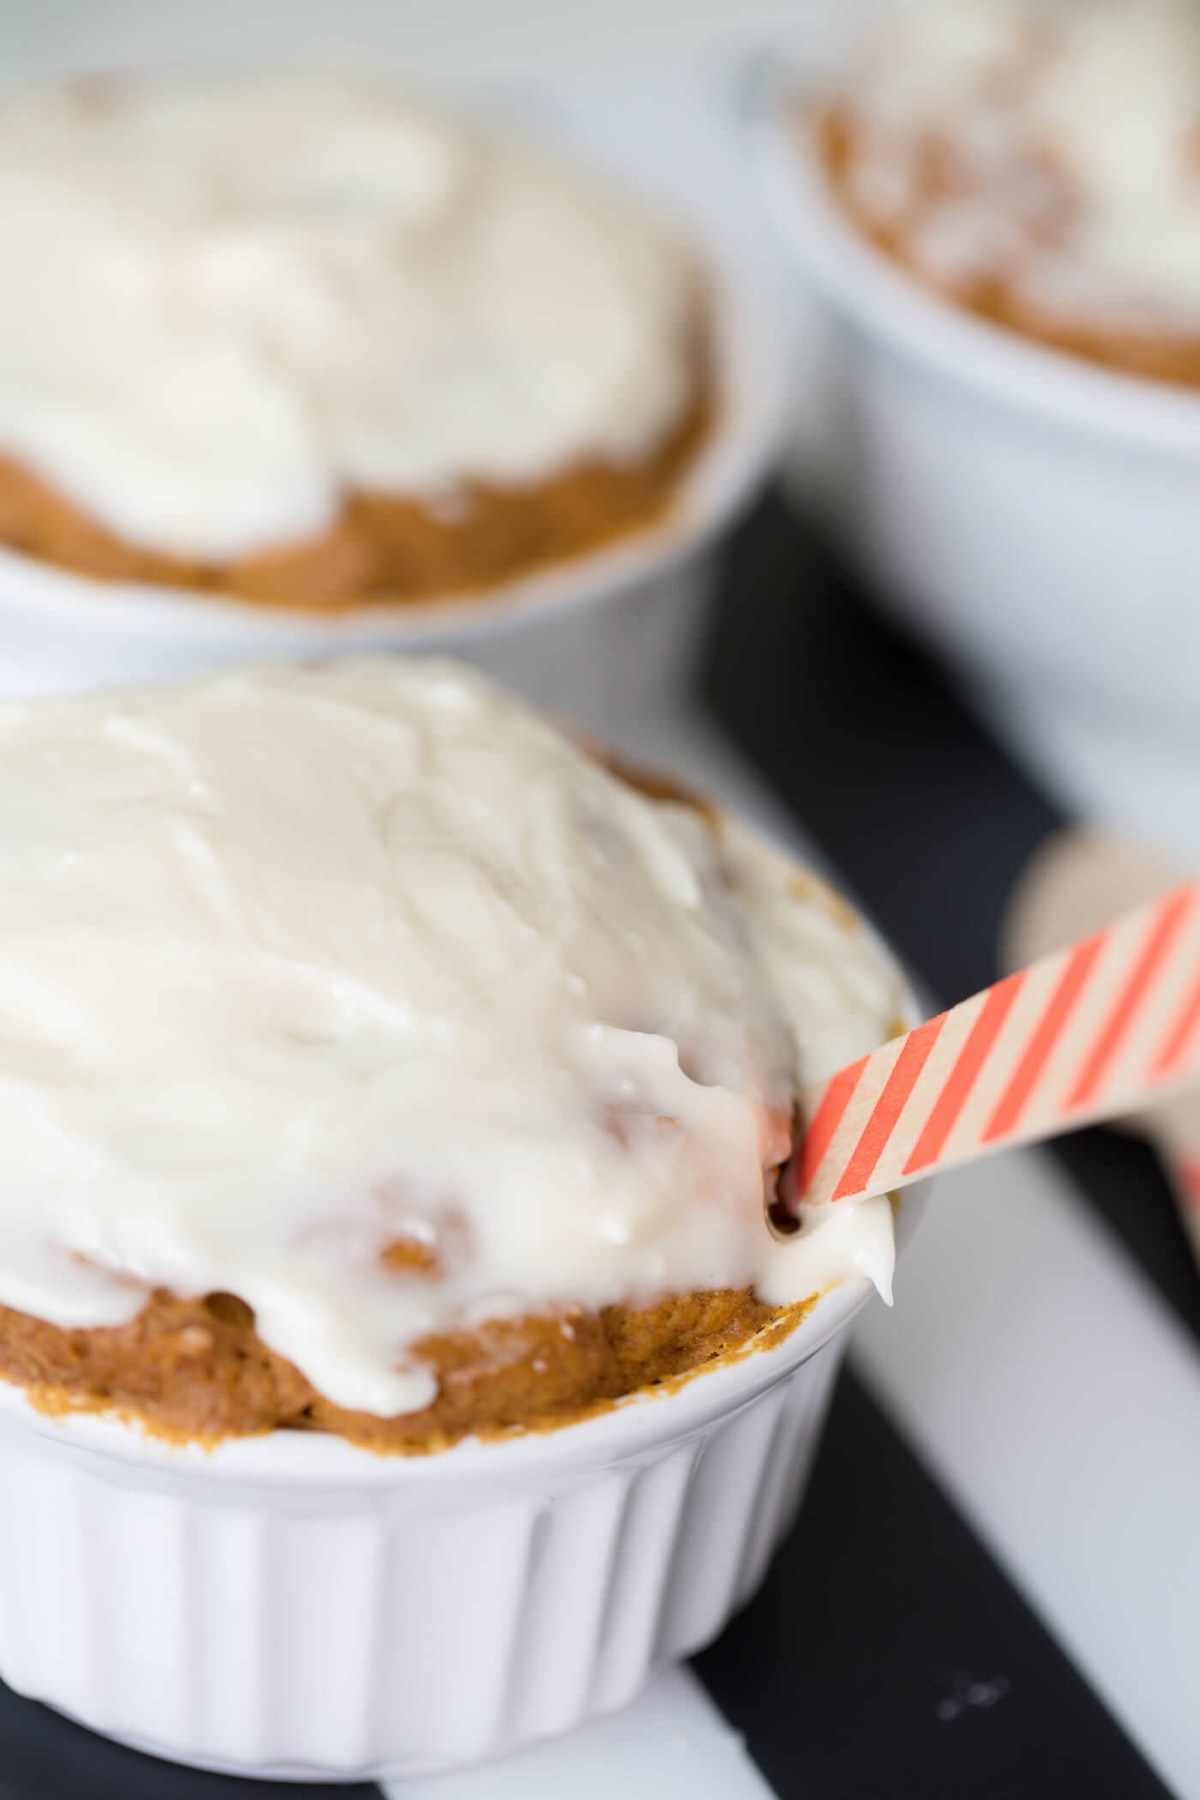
{"type": "Point", "coordinates": [40, 37]}
{"type": "Point", "coordinates": [670, 1743]}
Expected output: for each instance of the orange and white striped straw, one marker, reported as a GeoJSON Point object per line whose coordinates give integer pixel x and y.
{"type": "Point", "coordinates": [1092, 1032]}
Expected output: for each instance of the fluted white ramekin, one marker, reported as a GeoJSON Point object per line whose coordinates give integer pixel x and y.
{"type": "Point", "coordinates": [294, 1606]}
{"type": "Point", "coordinates": [1033, 516]}
{"type": "Point", "coordinates": [605, 636]}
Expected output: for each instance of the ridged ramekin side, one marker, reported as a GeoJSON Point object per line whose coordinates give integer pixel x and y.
{"type": "Point", "coordinates": [393, 1627]}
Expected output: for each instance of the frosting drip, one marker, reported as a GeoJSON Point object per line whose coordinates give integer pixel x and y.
{"type": "Point", "coordinates": [297, 966]}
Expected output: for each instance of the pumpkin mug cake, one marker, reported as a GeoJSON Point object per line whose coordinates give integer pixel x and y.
{"type": "Point", "coordinates": [1038, 163]}
{"type": "Point", "coordinates": [394, 1097]}
{"type": "Point", "coordinates": [301, 338]}
{"type": "Point", "coordinates": [377, 1062]}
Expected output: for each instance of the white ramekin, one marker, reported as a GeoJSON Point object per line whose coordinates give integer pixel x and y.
{"type": "Point", "coordinates": [295, 1607]}
{"type": "Point", "coordinates": [1035, 517]}
{"type": "Point", "coordinates": [606, 636]}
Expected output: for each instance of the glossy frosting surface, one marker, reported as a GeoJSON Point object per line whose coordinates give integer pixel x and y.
{"type": "Point", "coordinates": [297, 966]}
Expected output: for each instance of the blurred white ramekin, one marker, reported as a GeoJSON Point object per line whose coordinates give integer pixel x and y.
{"type": "Point", "coordinates": [608, 635]}
{"type": "Point", "coordinates": [296, 1607]}
{"type": "Point", "coordinates": [1035, 517]}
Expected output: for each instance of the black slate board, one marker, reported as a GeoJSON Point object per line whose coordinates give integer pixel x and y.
{"type": "Point", "coordinates": [887, 1658]}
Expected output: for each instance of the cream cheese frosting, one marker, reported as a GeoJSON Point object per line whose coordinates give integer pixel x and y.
{"type": "Point", "coordinates": [1073, 130]}
{"type": "Point", "coordinates": [296, 964]}
{"type": "Point", "coordinates": [226, 303]}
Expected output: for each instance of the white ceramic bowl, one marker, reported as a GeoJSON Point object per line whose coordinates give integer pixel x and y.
{"type": "Point", "coordinates": [294, 1606]}
{"type": "Point", "coordinates": [1035, 517]}
{"type": "Point", "coordinates": [609, 635]}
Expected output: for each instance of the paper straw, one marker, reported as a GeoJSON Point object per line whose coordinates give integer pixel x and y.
{"type": "Point", "coordinates": [1094, 1031]}
{"type": "Point", "coordinates": [1079, 879]}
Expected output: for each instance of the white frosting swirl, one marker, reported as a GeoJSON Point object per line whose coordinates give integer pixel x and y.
{"type": "Point", "coordinates": [225, 303]}
{"type": "Point", "coordinates": [298, 963]}
{"type": "Point", "coordinates": [1074, 131]}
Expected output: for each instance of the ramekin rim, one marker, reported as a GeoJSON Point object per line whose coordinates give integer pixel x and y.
{"type": "Point", "coordinates": [713, 490]}
{"type": "Point", "coordinates": [322, 1461]}
{"type": "Point", "coordinates": [893, 304]}
{"type": "Point", "coordinates": [306, 1460]}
